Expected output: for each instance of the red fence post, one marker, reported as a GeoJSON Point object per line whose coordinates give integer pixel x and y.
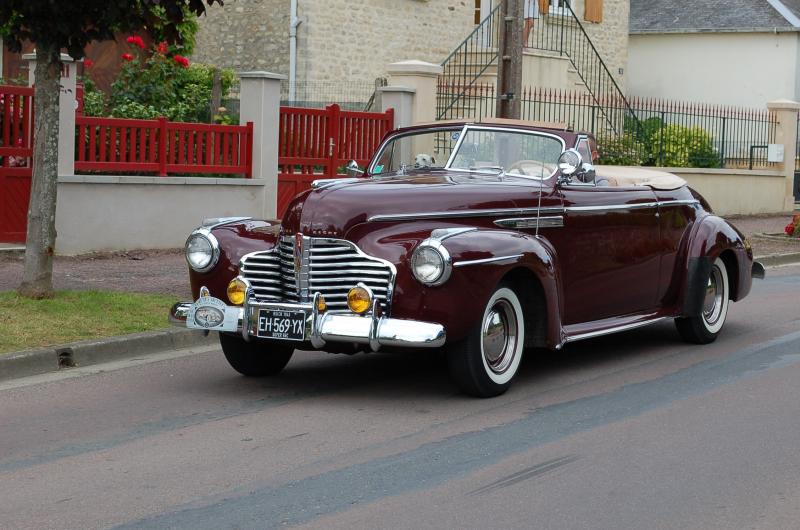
{"type": "Point", "coordinates": [162, 146]}
{"type": "Point", "coordinates": [334, 115]}
{"type": "Point", "coordinates": [249, 150]}
{"type": "Point", "coordinates": [389, 119]}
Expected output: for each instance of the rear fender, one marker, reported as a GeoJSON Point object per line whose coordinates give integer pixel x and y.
{"type": "Point", "coordinates": [710, 238]}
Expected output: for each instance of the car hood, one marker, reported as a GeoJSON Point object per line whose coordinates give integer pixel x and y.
{"type": "Point", "coordinates": [335, 209]}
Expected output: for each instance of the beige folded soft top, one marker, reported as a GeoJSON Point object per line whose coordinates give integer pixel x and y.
{"type": "Point", "coordinates": [635, 176]}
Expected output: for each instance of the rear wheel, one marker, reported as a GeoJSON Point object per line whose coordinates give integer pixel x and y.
{"type": "Point", "coordinates": [483, 364]}
{"type": "Point", "coordinates": [705, 327]}
{"type": "Point", "coordinates": [256, 358]}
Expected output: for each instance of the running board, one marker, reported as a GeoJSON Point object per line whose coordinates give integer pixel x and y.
{"type": "Point", "coordinates": [607, 326]}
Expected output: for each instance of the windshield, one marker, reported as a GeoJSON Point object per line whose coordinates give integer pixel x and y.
{"type": "Point", "coordinates": [417, 151]}
{"type": "Point", "coordinates": [521, 153]}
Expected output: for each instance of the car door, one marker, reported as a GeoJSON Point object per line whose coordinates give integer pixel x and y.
{"type": "Point", "coordinates": [608, 251]}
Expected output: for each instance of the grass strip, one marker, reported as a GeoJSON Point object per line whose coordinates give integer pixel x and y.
{"type": "Point", "coordinates": [77, 315]}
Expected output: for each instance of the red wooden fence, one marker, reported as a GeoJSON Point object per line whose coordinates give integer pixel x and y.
{"type": "Point", "coordinates": [317, 143]}
{"type": "Point", "coordinates": [16, 150]}
{"type": "Point", "coordinates": [162, 147]}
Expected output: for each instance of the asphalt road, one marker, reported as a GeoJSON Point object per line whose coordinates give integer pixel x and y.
{"type": "Point", "coordinates": [630, 431]}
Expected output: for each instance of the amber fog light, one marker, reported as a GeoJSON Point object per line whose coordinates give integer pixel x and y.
{"type": "Point", "coordinates": [322, 306]}
{"type": "Point", "coordinates": [359, 299]}
{"type": "Point", "coordinates": [237, 291]}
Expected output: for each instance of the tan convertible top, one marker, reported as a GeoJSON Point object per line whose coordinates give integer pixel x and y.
{"type": "Point", "coordinates": [635, 176]}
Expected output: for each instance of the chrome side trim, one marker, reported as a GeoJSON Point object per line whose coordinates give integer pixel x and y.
{"type": "Point", "coordinates": [214, 222]}
{"type": "Point", "coordinates": [634, 206]}
{"type": "Point", "coordinates": [609, 331]}
{"type": "Point", "coordinates": [611, 207]}
{"type": "Point", "coordinates": [441, 234]}
{"type": "Point", "coordinates": [485, 260]}
{"type": "Point", "coordinates": [451, 214]}
{"type": "Point", "coordinates": [320, 184]}
{"type": "Point", "coordinates": [556, 221]}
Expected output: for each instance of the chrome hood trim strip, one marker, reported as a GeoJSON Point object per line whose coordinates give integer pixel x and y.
{"type": "Point", "coordinates": [451, 214]}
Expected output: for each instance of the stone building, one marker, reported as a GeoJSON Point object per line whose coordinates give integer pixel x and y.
{"type": "Point", "coordinates": [346, 44]}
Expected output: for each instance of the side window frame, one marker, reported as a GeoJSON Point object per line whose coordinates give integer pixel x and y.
{"type": "Point", "coordinates": [583, 147]}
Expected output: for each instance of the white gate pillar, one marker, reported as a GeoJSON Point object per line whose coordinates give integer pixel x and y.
{"type": "Point", "coordinates": [786, 134]}
{"type": "Point", "coordinates": [260, 102]}
{"type": "Point", "coordinates": [67, 105]}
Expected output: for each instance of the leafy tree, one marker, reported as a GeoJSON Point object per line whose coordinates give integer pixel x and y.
{"type": "Point", "coordinates": [54, 25]}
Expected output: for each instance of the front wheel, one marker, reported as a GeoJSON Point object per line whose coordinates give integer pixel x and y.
{"type": "Point", "coordinates": [483, 364]}
{"type": "Point", "coordinates": [705, 327]}
{"type": "Point", "coordinates": [256, 358]}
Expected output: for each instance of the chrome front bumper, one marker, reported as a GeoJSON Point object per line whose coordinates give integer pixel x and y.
{"type": "Point", "coordinates": [371, 329]}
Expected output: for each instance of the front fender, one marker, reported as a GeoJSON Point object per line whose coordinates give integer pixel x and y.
{"type": "Point", "coordinates": [458, 304]}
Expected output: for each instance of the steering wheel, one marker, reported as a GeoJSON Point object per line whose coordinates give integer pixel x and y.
{"type": "Point", "coordinates": [536, 164]}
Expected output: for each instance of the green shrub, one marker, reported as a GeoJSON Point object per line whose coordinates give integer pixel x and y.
{"type": "Point", "coordinates": [624, 150]}
{"type": "Point", "coordinates": [157, 84]}
{"type": "Point", "coordinates": [651, 142]}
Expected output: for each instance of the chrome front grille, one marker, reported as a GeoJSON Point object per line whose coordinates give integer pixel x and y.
{"type": "Point", "coordinates": [328, 266]}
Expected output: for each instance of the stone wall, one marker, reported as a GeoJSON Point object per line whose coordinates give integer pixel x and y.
{"type": "Point", "coordinates": [342, 42]}
{"type": "Point", "coordinates": [357, 39]}
{"type": "Point", "coordinates": [245, 35]}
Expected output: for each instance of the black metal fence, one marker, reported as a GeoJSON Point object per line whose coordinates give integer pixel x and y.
{"type": "Point", "coordinates": [664, 133]}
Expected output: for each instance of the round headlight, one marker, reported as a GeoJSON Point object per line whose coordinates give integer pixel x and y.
{"type": "Point", "coordinates": [202, 251]}
{"type": "Point", "coordinates": [431, 263]}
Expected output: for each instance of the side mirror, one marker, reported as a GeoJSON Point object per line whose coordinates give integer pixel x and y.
{"type": "Point", "coordinates": [587, 173]}
{"type": "Point", "coordinates": [353, 170]}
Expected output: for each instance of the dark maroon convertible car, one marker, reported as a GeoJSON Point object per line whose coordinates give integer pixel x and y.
{"type": "Point", "coordinates": [485, 239]}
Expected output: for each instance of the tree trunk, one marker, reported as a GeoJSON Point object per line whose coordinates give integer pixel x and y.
{"type": "Point", "coordinates": [37, 280]}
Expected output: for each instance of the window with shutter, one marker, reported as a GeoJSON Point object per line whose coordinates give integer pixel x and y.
{"type": "Point", "coordinates": [594, 11]}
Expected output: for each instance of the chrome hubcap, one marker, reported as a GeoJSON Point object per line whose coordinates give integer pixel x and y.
{"type": "Point", "coordinates": [712, 305]}
{"type": "Point", "coordinates": [500, 336]}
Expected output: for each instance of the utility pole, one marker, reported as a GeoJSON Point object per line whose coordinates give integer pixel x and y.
{"type": "Point", "coordinates": [509, 60]}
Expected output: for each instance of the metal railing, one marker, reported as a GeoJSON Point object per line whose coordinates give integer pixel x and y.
{"type": "Point", "coordinates": [561, 34]}
{"type": "Point", "coordinates": [463, 68]}
{"type": "Point", "coordinates": [665, 133]}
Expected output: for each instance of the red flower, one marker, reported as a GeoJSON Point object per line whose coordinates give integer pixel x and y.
{"type": "Point", "coordinates": [789, 229]}
{"type": "Point", "coordinates": [136, 41]}
{"type": "Point", "coordinates": [181, 60]}
{"type": "Point", "coordinates": [88, 63]}
{"type": "Point", "coordinates": [127, 57]}
{"type": "Point", "coordinates": [163, 48]}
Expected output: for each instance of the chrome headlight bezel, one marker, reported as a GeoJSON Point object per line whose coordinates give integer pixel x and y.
{"type": "Point", "coordinates": [446, 267]}
{"type": "Point", "coordinates": [206, 234]}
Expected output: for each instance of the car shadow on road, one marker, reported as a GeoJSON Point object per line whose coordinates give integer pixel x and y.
{"type": "Point", "coordinates": [423, 374]}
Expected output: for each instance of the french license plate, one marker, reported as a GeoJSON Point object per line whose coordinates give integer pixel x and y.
{"type": "Point", "coordinates": [277, 324]}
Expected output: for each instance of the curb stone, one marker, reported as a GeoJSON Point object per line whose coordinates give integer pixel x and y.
{"type": "Point", "coordinates": [779, 259]}
{"type": "Point", "coordinates": [85, 353]}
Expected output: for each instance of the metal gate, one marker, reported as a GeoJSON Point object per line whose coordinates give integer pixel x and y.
{"type": "Point", "coordinates": [16, 152]}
